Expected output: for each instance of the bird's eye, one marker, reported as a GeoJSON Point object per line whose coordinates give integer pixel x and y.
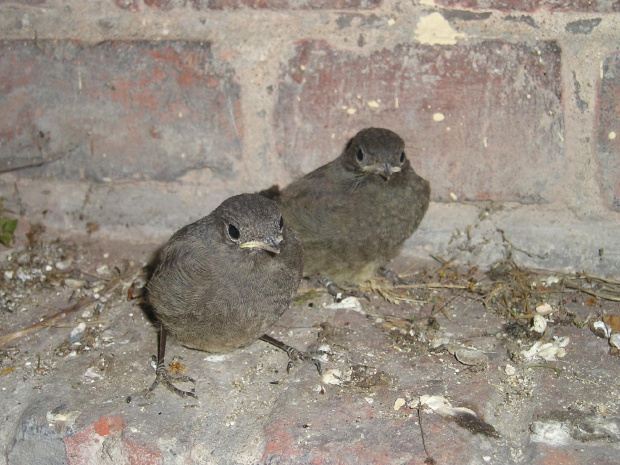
{"type": "Point", "coordinates": [360, 155]}
{"type": "Point", "coordinates": [281, 222]}
{"type": "Point", "coordinates": [233, 232]}
{"type": "Point", "coordinates": [402, 157]}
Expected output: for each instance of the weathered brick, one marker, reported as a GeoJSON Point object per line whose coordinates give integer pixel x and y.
{"type": "Point", "coordinates": [608, 132]}
{"type": "Point", "coordinates": [583, 26]}
{"type": "Point", "coordinates": [502, 5]}
{"type": "Point", "coordinates": [137, 110]}
{"type": "Point", "coordinates": [531, 5]}
{"type": "Point", "coordinates": [24, 2]}
{"type": "Point", "coordinates": [258, 4]}
{"type": "Point", "coordinates": [482, 121]}
{"type": "Point", "coordinates": [105, 440]}
{"type": "Point", "coordinates": [594, 6]}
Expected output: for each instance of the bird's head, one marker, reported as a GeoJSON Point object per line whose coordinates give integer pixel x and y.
{"type": "Point", "coordinates": [375, 151]}
{"type": "Point", "coordinates": [252, 222]}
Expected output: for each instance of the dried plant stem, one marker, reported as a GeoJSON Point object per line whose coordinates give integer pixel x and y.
{"type": "Point", "coordinates": [52, 320]}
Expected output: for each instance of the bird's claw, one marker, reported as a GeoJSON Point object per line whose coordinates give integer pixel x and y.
{"type": "Point", "coordinates": [162, 376]}
{"type": "Point", "coordinates": [296, 356]}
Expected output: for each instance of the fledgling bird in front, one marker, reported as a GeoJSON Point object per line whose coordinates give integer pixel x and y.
{"type": "Point", "coordinates": [354, 214]}
{"type": "Point", "coordinates": [220, 283]}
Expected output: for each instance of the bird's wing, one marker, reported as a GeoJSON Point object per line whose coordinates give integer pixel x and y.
{"type": "Point", "coordinates": [317, 205]}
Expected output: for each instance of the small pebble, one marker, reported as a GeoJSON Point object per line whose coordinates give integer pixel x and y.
{"type": "Point", "coordinates": [399, 403]}
{"type": "Point", "coordinates": [74, 283]}
{"type": "Point", "coordinates": [103, 270]}
{"type": "Point", "coordinates": [539, 324]}
{"type": "Point", "coordinates": [76, 333]}
{"type": "Point", "coordinates": [64, 264]}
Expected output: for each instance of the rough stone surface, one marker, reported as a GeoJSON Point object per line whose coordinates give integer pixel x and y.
{"type": "Point", "coordinates": [165, 5]}
{"type": "Point", "coordinates": [232, 64]}
{"type": "Point", "coordinates": [117, 110]}
{"type": "Point", "coordinates": [608, 131]}
{"type": "Point", "coordinates": [531, 5]}
{"type": "Point", "coordinates": [492, 105]}
{"type": "Point", "coordinates": [65, 399]}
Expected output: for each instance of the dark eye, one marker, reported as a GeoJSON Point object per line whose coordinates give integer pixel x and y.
{"type": "Point", "coordinates": [360, 155]}
{"type": "Point", "coordinates": [281, 222]}
{"type": "Point", "coordinates": [233, 232]}
{"type": "Point", "coordinates": [402, 157]}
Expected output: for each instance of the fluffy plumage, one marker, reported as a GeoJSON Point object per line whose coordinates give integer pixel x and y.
{"type": "Point", "coordinates": [354, 214]}
{"type": "Point", "coordinates": [220, 283]}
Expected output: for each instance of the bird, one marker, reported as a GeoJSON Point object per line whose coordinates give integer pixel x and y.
{"type": "Point", "coordinates": [354, 213]}
{"type": "Point", "coordinates": [221, 283]}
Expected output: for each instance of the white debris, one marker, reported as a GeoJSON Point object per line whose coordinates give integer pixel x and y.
{"type": "Point", "coordinates": [93, 373]}
{"type": "Point", "coordinates": [74, 283]}
{"type": "Point", "coordinates": [64, 264]}
{"type": "Point", "coordinates": [549, 351]}
{"type": "Point", "coordinates": [539, 324]}
{"type": "Point", "coordinates": [552, 433]}
{"type": "Point", "coordinates": [544, 309]}
{"type": "Point", "coordinates": [77, 331]}
{"type": "Point", "coordinates": [550, 281]}
{"type": "Point", "coordinates": [349, 303]}
{"type": "Point", "coordinates": [332, 377]}
{"type": "Point", "coordinates": [399, 403]}
{"type": "Point", "coordinates": [601, 329]}
{"type": "Point", "coordinates": [103, 270]}
{"type": "Point", "coordinates": [614, 340]}
{"type": "Point", "coordinates": [510, 370]}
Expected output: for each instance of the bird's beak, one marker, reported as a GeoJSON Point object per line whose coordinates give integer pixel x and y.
{"type": "Point", "coordinates": [386, 170]}
{"type": "Point", "coordinates": [272, 246]}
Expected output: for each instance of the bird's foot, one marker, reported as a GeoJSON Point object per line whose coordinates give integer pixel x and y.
{"type": "Point", "coordinates": [338, 292]}
{"type": "Point", "coordinates": [295, 356]}
{"type": "Point", "coordinates": [162, 376]}
{"type": "Point", "coordinates": [392, 276]}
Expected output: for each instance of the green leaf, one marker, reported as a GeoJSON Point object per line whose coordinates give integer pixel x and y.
{"type": "Point", "coordinates": [7, 227]}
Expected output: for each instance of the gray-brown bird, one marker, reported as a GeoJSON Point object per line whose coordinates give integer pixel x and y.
{"type": "Point", "coordinates": [354, 214]}
{"type": "Point", "coordinates": [220, 283]}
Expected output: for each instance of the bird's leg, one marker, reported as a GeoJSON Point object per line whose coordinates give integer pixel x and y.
{"type": "Point", "coordinates": [162, 375]}
{"type": "Point", "coordinates": [337, 291]}
{"type": "Point", "coordinates": [392, 276]}
{"type": "Point", "coordinates": [294, 355]}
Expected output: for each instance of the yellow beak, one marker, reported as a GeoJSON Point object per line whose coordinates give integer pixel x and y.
{"type": "Point", "coordinates": [273, 247]}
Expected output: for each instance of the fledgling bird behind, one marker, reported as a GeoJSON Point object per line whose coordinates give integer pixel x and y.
{"type": "Point", "coordinates": [220, 283]}
{"type": "Point", "coordinates": [354, 214]}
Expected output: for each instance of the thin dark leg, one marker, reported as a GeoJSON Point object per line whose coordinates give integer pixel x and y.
{"type": "Point", "coordinates": [393, 276]}
{"type": "Point", "coordinates": [162, 375]}
{"type": "Point", "coordinates": [336, 291]}
{"type": "Point", "coordinates": [294, 355]}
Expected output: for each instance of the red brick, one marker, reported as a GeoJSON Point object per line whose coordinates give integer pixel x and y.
{"type": "Point", "coordinates": [88, 446]}
{"type": "Point", "coordinates": [504, 96]}
{"type": "Point", "coordinates": [119, 110]}
{"type": "Point", "coordinates": [258, 4]}
{"type": "Point", "coordinates": [608, 132]}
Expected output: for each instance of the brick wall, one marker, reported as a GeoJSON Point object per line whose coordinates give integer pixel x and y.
{"type": "Point", "coordinates": [142, 115]}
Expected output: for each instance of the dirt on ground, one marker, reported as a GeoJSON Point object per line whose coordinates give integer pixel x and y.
{"type": "Point", "coordinates": [451, 365]}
